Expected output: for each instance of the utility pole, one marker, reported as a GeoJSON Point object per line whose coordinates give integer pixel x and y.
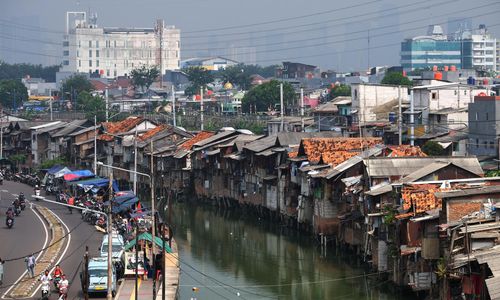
{"type": "Point", "coordinates": [153, 228]}
{"type": "Point", "coordinates": [50, 103]}
{"type": "Point", "coordinates": [135, 162]}
{"type": "Point", "coordinates": [1, 133]}
{"type": "Point", "coordinates": [173, 106]}
{"type": "Point", "coordinates": [95, 145]}
{"type": "Point", "coordinates": [160, 29]}
{"type": "Point", "coordinates": [302, 108]}
{"type": "Point", "coordinates": [136, 296]}
{"type": "Point", "coordinates": [107, 105]}
{"type": "Point", "coordinates": [412, 120]}
{"type": "Point", "coordinates": [282, 109]}
{"type": "Point", "coordinates": [85, 276]}
{"type": "Point", "coordinates": [164, 253]}
{"type": "Point", "coordinates": [400, 118]}
{"type": "Point", "coordinates": [110, 238]}
{"type": "Point", "coordinates": [201, 108]}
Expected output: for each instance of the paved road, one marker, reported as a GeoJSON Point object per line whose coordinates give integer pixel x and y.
{"type": "Point", "coordinates": [28, 235]}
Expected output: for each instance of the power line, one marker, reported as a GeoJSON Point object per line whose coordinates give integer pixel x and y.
{"type": "Point", "coordinates": [350, 33]}
{"type": "Point", "coordinates": [323, 23]}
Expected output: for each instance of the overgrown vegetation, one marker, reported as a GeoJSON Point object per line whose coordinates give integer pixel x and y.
{"type": "Point", "coordinates": [432, 148]}
{"type": "Point", "coordinates": [47, 164]}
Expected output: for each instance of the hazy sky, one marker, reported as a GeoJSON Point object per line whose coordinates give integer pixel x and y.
{"type": "Point", "coordinates": [344, 35]}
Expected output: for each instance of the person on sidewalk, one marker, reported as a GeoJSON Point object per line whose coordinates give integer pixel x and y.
{"type": "Point", "coordinates": [1, 270]}
{"type": "Point", "coordinates": [30, 265]}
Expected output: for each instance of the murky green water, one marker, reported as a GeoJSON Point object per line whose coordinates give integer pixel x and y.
{"type": "Point", "coordinates": [226, 255]}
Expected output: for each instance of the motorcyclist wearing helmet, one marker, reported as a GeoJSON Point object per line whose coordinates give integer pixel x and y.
{"type": "Point", "coordinates": [10, 213]}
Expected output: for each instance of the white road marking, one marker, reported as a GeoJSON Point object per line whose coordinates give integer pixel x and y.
{"type": "Point", "coordinates": [64, 252]}
{"type": "Point", "coordinates": [39, 254]}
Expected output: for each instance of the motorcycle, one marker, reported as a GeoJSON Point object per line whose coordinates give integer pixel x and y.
{"type": "Point", "coordinates": [63, 293]}
{"type": "Point", "coordinates": [17, 210]}
{"type": "Point", "coordinates": [45, 290]}
{"type": "Point", "coordinates": [37, 192]}
{"type": "Point", "coordinates": [22, 203]}
{"type": "Point", "coordinates": [9, 222]}
{"type": "Point", "coordinates": [57, 278]}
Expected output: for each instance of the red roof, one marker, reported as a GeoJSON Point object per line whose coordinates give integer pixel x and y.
{"type": "Point", "coordinates": [153, 132]}
{"type": "Point", "coordinates": [335, 150]}
{"type": "Point", "coordinates": [197, 138]}
{"type": "Point", "coordinates": [119, 127]}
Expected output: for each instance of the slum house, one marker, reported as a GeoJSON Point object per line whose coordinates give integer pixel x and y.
{"type": "Point", "coordinates": [469, 239]}
{"type": "Point", "coordinates": [111, 138]}
{"type": "Point", "coordinates": [319, 197]}
{"type": "Point", "coordinates": [17, 143]}
{"type": "Point", "coordinates": [163, 138]}
{"type": "Point", "coordinates": [417, 223]}
{"type": "Point", "coordinates": [59, 140]}
{"type": "Point", "coordinates": [381, 201]}
{"type": "Point", "coordinates": [206, 169]}
{"type": "Point", "coordinates": [81, 148]}
{"type": "Point", "coordinates": [40, 140]}
{"type": "Point", "coordinates": [176, 165]}
{"type": "Point", "coordinates": [267, 171]}
{"type": "Point", "coordinates": [231, 160]}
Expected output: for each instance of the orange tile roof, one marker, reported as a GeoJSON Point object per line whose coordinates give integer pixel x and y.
{"type": "Point", "coordinates": [335, 150]}
{"type": "Point", "coordinates": [199, 137]}
{"type": "Point", "coordinates": [405, 151]}
{"type": "Point", "coordinates": [421, 197]}
{"type": "Point", "coordinates": [153, 132]}
{"type": "Point", "coordinates": [119, 127]}
{"type": "Point", "coordinates": [293, 154]}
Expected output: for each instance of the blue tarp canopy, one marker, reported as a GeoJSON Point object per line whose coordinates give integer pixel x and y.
{"type": "Point", "coordinates": [123, 201]}
{"type": "Point", "coordinates": [58, 171]}
{"type": "Point", "coordinates": [55, 169]}
{"type": "Point", "coordinates": [75, 175]}
{"type": "Point", "coordinates": [96, 182]}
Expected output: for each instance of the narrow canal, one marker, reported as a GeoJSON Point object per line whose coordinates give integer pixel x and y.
{"type": "Point", "coordinates": [226, 255]}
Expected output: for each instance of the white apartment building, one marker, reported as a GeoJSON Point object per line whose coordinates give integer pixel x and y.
{"type": "Point", "coordinates": [113, 52]}
{"type": "Point", "coordinates": [480, 51]}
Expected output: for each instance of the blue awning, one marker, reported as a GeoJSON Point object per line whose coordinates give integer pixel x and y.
{"type": "Point", "coordinates": [75, 175]}
{"type": "Point", "coordinates": [93, 183]}
{"type": "Point", "coordinates": [55, 169]}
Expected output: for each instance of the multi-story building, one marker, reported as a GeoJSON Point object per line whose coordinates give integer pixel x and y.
{"type": "Point", "coordinates": [112, 52]}
{"type": "Point", "coordinates": [479, 51]}
{"type": "Point", "coordinates": [484, 125]}
{"type": "Point", "coordinates": [434, 49]}
{"type": "Point", "coordinates": [475, 49]}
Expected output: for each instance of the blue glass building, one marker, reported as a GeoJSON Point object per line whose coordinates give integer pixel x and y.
{"type": "Point", "coordinates": [426, 52]}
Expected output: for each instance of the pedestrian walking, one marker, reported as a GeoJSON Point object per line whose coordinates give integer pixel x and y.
{"type": "Point", "coordinates": [1, 270]}
{"type": "Point", "coordinates": [30, 265]}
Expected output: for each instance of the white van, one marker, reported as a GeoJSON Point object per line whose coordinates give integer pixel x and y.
{"type": "Point", "coordinates": [98, 276]}
{"type": "Point", "coordinates": [117, 245]}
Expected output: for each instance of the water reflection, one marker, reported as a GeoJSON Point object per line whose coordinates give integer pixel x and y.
{"type": "Point", "coordinates": [227, 255]}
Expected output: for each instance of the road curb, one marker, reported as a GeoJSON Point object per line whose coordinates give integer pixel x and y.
{"type": "Point", "coordinates": [24, 288]}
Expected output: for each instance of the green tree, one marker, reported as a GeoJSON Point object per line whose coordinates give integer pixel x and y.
{"type": "Point", "coordinates": [340, 90]}
{"type": "Point", "coordinates": [267, 95]}
{"type": "Point", "coordinates": [396, 78]}
{"type": "Point", "coordinates": [199, 78]}
{"type": "Point", "coordinates": [18, 71]}
{"type": "Point", "coordinates": [237, 75]}
{"type": "Point", "coordinates": [432, 148]}
{"type": "Point", "coordinates": [92, 106]}
{"type": "Point", "coordinates": [144, 76]}
{"type": "Point", "coordinates": [12, 93]}
{"type": "Point", "coordinates": [75, 85]}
